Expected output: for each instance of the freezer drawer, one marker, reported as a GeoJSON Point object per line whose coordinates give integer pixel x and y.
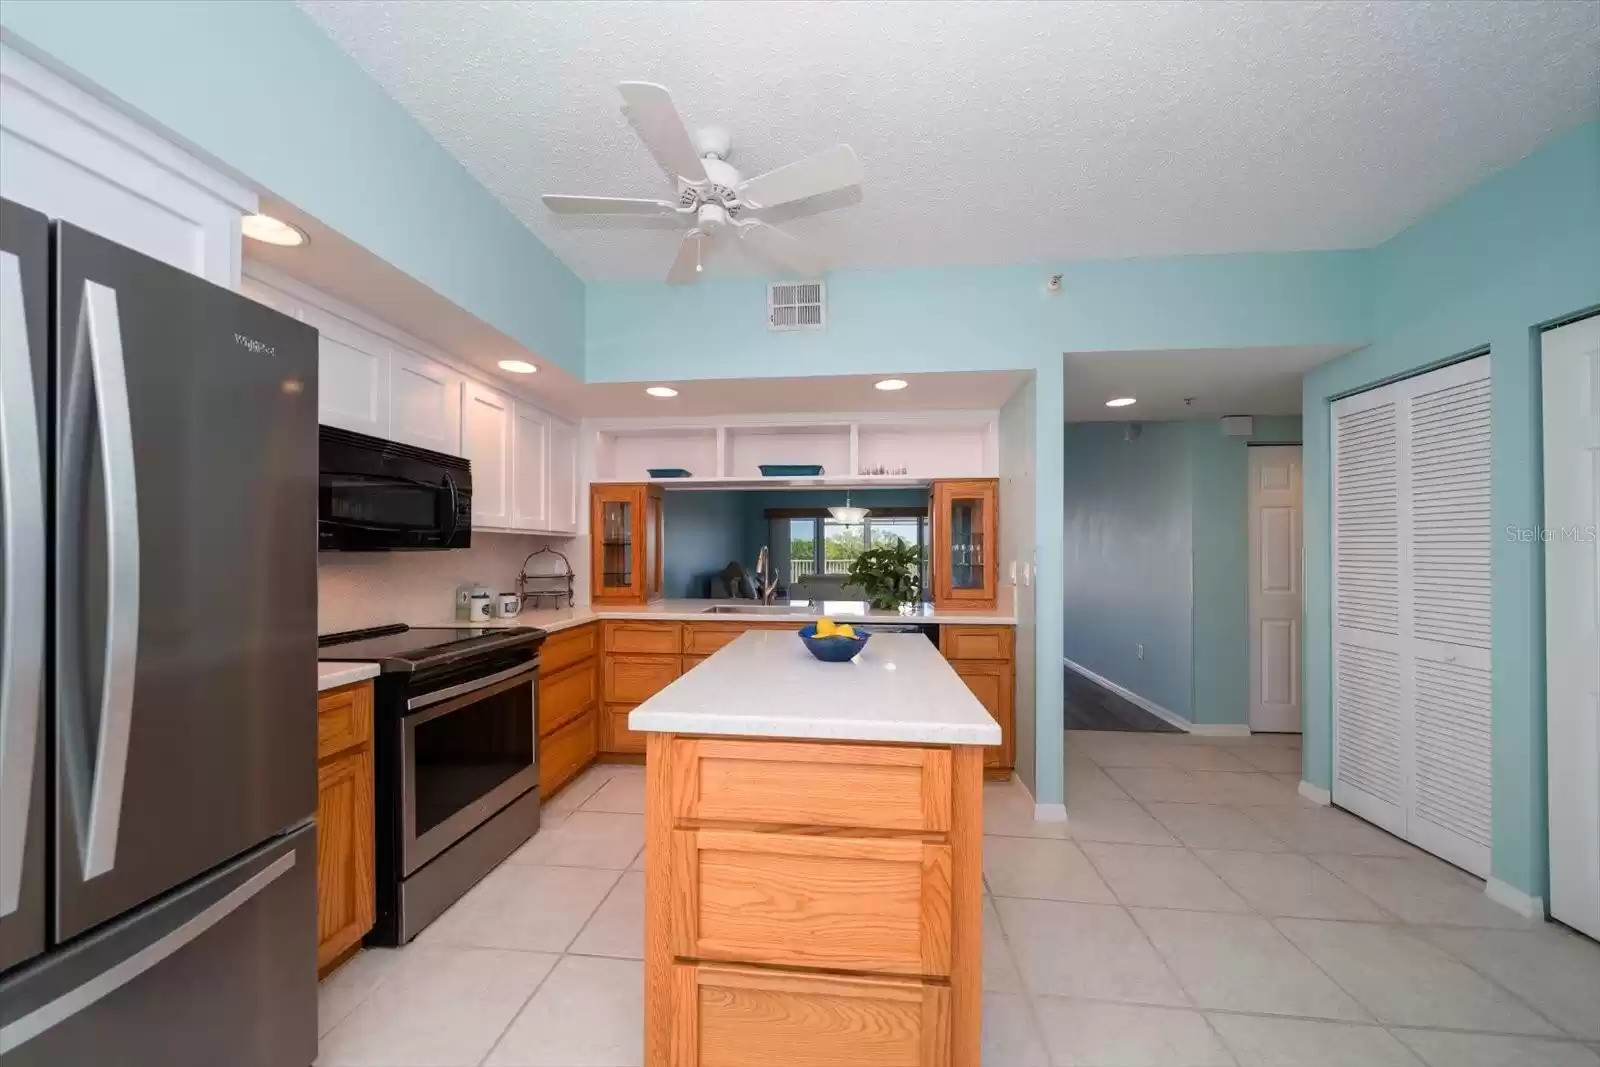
{"type": "Point", "coordinates": [222, 971]}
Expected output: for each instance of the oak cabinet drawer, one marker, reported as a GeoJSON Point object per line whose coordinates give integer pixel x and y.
{"type": "Point", "coordinates": [840, 903]}
{"type": "Point", "coordinates": [734, 1017]}
{"type": "Point", "coordinates": [689, 663]}
{"type": "Point", "coordinates": [344, 718]}
{"type": "Point", "coordinates": [704, 638]}
{"type": "Point", "coordinates": [565, 752]}
{"type": "Point", "coordinates": [650, 638]}
{"type": "Point", "coordinates": [565, 696]}
{"type": "Point", "coordinates": [635, 679]}
{"type": "Point", "coordinates": [991, 683]}
{"type": "Point", "coordinates": [614, 733]}
{"type": "Point", "coordinates": [870, 787]}
{"type": "Point", "coordinates": [566, 647]}
{"type": "Point", "coordinates": [976, 642]}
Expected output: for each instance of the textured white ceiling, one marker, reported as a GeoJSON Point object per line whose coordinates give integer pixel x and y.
{"type": "Point", "coordinates": [1190, 383]}
{"type": "Point", "coordinates": [997, 132]}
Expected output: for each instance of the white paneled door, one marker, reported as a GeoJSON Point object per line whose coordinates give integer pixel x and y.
{"type": "Point", "coordinates": [1572, 617]}
{"type": "Point", "coordinates": [1275, 588]}
{"type": "Point", "coordinates": [1411, 547]}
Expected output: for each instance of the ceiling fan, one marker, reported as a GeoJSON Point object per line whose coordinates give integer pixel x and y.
{"type": "Point", "coordinates": [712, 196]}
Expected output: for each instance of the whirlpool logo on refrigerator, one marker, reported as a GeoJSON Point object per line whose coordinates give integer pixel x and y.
{"type": "Point", "coordinates": [254, 347]}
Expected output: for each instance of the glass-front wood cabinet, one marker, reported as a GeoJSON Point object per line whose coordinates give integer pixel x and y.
{"type": "Point", "coordinates": [625, 537]}
{"type": "Point", "coordinates": [966, 544]}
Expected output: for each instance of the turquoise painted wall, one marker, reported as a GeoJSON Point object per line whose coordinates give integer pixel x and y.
{"type": "Point", "coordinates": [1519, 250]}
{"type": "Point", "coordinates": [259, 88]}
{"type": "Point", "coordinates": [701, 533]}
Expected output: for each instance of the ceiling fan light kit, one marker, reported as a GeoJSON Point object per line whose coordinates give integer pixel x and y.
{"type": "Point", "coordinates": [712, 196]}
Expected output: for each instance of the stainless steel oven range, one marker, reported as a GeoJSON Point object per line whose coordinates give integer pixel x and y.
{"type": "Point", "coordinates": [456, 740]}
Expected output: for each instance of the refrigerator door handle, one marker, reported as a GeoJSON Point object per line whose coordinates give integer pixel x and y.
{"type": "Point", "coordinates": [22, 612]}
{"type": "Point", "coordinates": [96, 777]}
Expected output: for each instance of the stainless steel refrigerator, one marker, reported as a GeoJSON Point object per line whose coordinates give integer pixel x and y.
{"type": "Point", "coordinates": [158, 479]}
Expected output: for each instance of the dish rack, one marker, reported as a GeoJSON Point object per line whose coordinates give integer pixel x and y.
{"type": "Point", "coordinates": [547, 581]}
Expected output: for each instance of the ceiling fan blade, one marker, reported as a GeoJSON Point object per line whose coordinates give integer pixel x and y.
{"type": "Point", "coordinates": [685, 269]}
{"type": "Point", "coordinates": [657, 121]}
{"type": "Point", "coordinates": [781, 248]}
{"type": "Point", "coordinates": [606, 205]}
{"type": "Point", "coordinates": [837, 168]}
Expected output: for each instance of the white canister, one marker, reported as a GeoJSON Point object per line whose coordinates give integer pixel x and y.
{"type": "Point", "coordinates": [507, 606]}
{"type": "Point", "coordinates": [481, 605]}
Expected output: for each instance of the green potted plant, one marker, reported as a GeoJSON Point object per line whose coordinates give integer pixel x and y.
{"type": "Point", "coordinates": [888, 573]}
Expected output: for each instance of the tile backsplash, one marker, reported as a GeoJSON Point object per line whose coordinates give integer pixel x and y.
{"type": "Point", "coordinates": [357, 589]}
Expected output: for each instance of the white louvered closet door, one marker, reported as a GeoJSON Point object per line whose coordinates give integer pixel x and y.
{"type": "Point", "coordinates": [1412, 694]}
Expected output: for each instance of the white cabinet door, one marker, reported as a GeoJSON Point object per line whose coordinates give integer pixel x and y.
{"type": "Point", "coordinates": [563, 481]}
{"type": "Point", "coordinates": [424, 403]}
{"type": "Point", "coordinates": [352, 386]}
{"type": "Point", "coordinates": [530, 458]}
{"type": "Point", "coordinates": [486, 442]}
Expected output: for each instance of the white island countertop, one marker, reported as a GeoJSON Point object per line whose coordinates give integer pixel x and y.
{"type": "Point", "coordinates": [803, 611]}
{"type": "Point", "coordinates": [333, 675]}
{"type": "Point", "coordinates": [765, 684]}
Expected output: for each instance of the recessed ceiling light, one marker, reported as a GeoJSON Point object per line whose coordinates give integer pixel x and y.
{"type": "Point", "coordinates": [889, 385]}
{"type": "Point", "coordinates": [1121, 402]}
{"type": "Point", "coordinates": [662, 390]}
{"type": "Point", "coordinates": [517, 366]}
{"type": "Point", "coordinates": [268, 230]}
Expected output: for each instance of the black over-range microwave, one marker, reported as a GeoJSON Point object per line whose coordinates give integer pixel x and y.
{"type": "Point", "coordinates": [376, 495]}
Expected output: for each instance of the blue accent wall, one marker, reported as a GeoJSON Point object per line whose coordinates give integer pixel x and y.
{"type": "Point", "coordinates": [701, 534]}
{"type": "Point", "coordinates": [1520, 250]}
{"type": "Point", "coordinates": [257, 87]}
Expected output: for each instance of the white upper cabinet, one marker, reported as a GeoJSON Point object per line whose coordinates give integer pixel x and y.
{"type": "Point", "coordinates": [486, 418]}
{"type": "Point", "coordinates": [424, 403]}
{"type": "Point", "coordinates": [530, 468]}
{"type": "Point", "coordinates": [563, 483]}
{"type": "Point", "coordinates": [352, 385]}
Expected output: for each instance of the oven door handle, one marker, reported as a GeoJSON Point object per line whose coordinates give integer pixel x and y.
{"type": "Point", "coordinates": [439, 697]}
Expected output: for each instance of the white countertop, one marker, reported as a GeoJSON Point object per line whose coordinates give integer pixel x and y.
{"type": "Point", "coordinates": [765, 684]}
{"type": "Point", "coordinates": [553, 619]}
{"type": "Point", "coordinates": [333, 675]}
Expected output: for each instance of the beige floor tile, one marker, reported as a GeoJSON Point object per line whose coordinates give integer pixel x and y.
{"type": "Point", "coordinates": [588, 1013]}
{"type": "Point", "coordinates": [1162, 784]}
{"type": "Point", "coordinates": [1085, 950]}
{"type": "Point", "coordinates": [999, 969]}
{"type": "Point", "coordinates": [1127, 1035]}
{"type": "Point", "coordinates": [1086, 781]}
{"type": "Point", "coordinates": [1290, 885]}
{"type": "Point", "coordinates": [623, 793]}
{"type": "Point", "coordinates": [1423, 890]}
{"type": "Point", "coordinates": [1310, 828]}
{"type": "Point", "coordinates": [1556, 971]}
{"type": "Point", "coordinates": [1114, 820]}
{"type": "Point", "coordinates": [1119, 749]}
{"type": "Point", "coordinates": [1406, 982]}
{"type": "Point", "coordinates": [1010, 1037]}
{"type": "Point", "coordinates": [617, 926]}
{"type": "Point", "coordinates": [1155, 877]}
{"type": "Point", "coordinates": [1202, 758]}
{"type": "Point", "coordinates": [1048, 870]}
{"type": "Point", "coordinates": [580, 789]}
{"type": "Point", "coordinates": [586, 839]}
{"type": "Point", "coordinates": [1258, 1042]}
{"type": "Point", "coordinates": [1252, 788]}
{"type": "Point", "coordinates": [1214, 826]}
{"type": "Point", "coordinates": [1484, 1050]}
{"type": "Point", "coordinates": [344, 989]}
{"type": "Point", "coordinates": [535, 909]}
{"type": "Point", "coordinates": [1008, 810]}
{"type": "Point", "coordinates": [1275, 759]}
{"type": "Point", "coordinates": [442, 1007]}
{"type": "Point", "coordinates": [1241, 963]}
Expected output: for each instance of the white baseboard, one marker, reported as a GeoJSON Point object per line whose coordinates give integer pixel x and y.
{"type": "Point", "coordinates": [1049, 813]}
{"type": "Point", "coordinates": [1315, 794]}
{"type": "Point", "coordinates": [1529, 907]}
{"type": "Point", "coordinates": [1133, 698]}
{"type": "Point", "coordinates": [1219, 729]}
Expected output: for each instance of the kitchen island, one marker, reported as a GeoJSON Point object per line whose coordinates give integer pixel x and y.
{"type": "Point", "coordinates": [813, 858]}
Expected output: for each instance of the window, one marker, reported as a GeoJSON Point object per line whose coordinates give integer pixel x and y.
{"type": "Point", "coordinates": [820, 545]}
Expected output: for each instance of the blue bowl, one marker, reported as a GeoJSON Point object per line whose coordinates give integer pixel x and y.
{"type": "Point", "coordinates": [832, 649]}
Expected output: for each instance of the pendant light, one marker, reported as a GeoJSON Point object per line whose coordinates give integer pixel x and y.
{"type": "Point", "coordinates": [848, 513]}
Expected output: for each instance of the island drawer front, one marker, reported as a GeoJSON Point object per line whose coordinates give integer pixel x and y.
{"type": "Point", "coordinates": [614, 733]}
{"type": "Point", "coordinates": [635, 679]}
{"type": "Point", "coordinates": [734, 1017]}
{"type": "Point", "coordinates": [566, 647]}
{"type": "Point", "coordinates": [704, 638]}
{"type": "Point", "coordinates": [648, 638]}
{"type": "Point", "coordinates": [344, 718]}
{"type": "Point", "coordinates": [878, 905]}
{"type": "Point", "coordinates": [866, 787]}
{"type": "Point", "coordinates": [565, 696]}
{"type": "Point", "coordinates": [564, 753]}
{"type": "Point", "coordinates": [976, 642]}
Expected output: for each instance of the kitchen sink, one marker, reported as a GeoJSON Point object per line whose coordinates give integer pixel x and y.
{"type": "Point", "coordinates": [757, 609]}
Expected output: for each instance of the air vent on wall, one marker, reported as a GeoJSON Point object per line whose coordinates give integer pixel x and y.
{"type": "Point", "coordinates": [796, 306]}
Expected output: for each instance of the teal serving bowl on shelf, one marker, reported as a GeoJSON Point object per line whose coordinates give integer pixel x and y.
{"type": "Point", "coordinates": [832, 649]}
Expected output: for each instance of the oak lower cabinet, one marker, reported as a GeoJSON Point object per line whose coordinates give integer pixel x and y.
{"type": "Point", "coordinates": [639, 659]}
{"type": "Point", "coordinates": [569, 705]}
{"type": "Point", "coordinates": [346, 877]}
{"type": "Point", "coordinates": [984, 658]}
{"type": "Point", "coordinates": [812, 903]}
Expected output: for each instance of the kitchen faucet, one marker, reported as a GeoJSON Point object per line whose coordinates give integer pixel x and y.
{"type": "Point", "coordinates": [766, 583]}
